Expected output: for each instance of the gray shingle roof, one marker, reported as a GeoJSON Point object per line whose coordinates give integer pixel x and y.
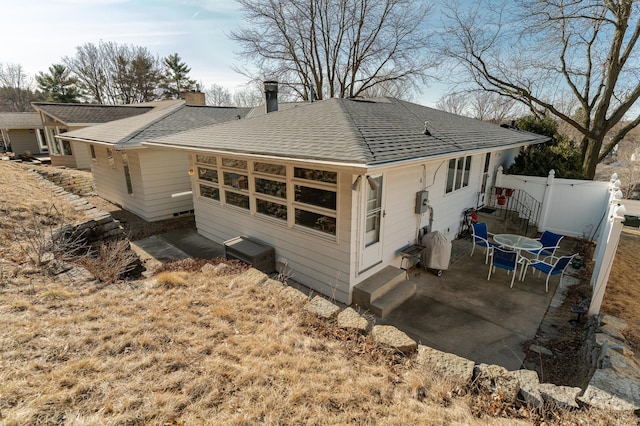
{"type": "Point", "coordinates": [355, 131]}
{"type": "Point", "coordinates": [87, 114]}
{"type": "Point", "coordinates": [20, 120]}
{"type": "Point", "coordinates": [130, 132]}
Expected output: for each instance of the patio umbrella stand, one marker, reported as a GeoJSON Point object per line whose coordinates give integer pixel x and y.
{"type": "Point", "coordinates": [437, 252]}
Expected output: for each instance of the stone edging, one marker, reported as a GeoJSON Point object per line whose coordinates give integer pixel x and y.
{"type": "Point", "coordinates": [511, 385]}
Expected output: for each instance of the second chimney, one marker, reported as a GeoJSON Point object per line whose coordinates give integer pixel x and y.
{"type": "Point", "coordinates": [271, 95]}
{"type": "Point", "coordinates": [195, 98]}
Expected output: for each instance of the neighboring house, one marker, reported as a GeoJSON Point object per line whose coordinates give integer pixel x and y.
{"type": "Point", "coordinates": [58, 118]}
{"type": "Point", "coordinates": [22, 132]}
{"type": "Point", "coordinates": [151, 182]}
{"type": "Point", "coordinates": [339, 186]}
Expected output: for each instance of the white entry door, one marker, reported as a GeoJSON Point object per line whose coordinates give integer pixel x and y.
{"type": "Point", "coordinates": [373, 213]}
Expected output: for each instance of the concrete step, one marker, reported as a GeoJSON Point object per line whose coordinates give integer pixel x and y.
{"type": "Point", "coordinates": [394, 298]}
{"type": "Point", "coordinates": [376, 286]}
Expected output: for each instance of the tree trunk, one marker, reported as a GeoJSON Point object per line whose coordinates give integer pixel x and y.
{"type": "Point", "coordinates": [591, 156]}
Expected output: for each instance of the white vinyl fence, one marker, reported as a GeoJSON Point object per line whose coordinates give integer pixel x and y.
{"type": "Point", "coordinates": [568, 206]}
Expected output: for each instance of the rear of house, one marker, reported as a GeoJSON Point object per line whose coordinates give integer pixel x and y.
{"type": "Point", "coordinates": [152, 182]}
{"type": "Point", "coordinates": [339, 186]}
{"type": "Point", "coordinates": [59, 118]}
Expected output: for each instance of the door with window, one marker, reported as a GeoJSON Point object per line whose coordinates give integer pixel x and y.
{"type": "Point", "coordinates": [482, 196]}
{"type": "Point", "coordinates": [373, 218]}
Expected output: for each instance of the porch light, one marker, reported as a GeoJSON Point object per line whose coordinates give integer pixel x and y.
{"type": "Point", "coordinates": [372, 183]}
{"type": "Point", "coordinates": [191, 172]}
{"type": "Point", "coordinates": [356, 183]}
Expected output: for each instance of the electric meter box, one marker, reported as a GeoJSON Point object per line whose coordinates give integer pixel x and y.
{"type": "Point", "coordinates": [422, 201]}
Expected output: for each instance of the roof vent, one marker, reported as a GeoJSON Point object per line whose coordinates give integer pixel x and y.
{"type": "Point", "coordinates": [426, 128]}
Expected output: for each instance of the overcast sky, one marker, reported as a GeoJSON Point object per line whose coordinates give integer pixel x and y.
{"type": "Point", "coordinates": [39, 33]}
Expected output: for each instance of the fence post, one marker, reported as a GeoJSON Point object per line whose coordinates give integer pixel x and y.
{"type": "Point", "coordinates": [546, 204]}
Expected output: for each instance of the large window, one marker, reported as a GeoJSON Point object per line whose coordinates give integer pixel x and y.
{"type": "Point", "coordinates": [293, 196]}
{"type": "Point", "coordinates": [458, 173]}
{"type": "Point", "coordinates": [315, 199]}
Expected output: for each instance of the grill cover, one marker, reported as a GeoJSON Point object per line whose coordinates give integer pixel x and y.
{"type": "Point", "coordinates": [437, 253]}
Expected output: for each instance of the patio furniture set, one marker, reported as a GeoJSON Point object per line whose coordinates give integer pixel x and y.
{"type": "Point", "coordinates": [510, 251]}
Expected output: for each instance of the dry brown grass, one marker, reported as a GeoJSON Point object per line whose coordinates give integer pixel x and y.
{"type": "Point", "coordinates": [622, 297]}
{"type": "Point", "coordinates": [186, 347]}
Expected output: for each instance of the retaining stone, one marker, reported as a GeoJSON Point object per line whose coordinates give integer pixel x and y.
{"type": "Point", "coordinates": [529, 387]}
{"type": "Point", "coordinates": [391, 336]}
{"type": "Point", "coordinates": [322, 308]}
{"type": "Point", "coordinates": [454, 367]}
{"type": "Point", "coordinates": [252, 276]}
{"type": "Point", "coordinates": [564, 396]}
{"type": "Point", "coordinates": [611, 390]}
{"type": "Point", "coordinates": [350, 319]}
{"type": "Point", "coordinates": [496, 379]}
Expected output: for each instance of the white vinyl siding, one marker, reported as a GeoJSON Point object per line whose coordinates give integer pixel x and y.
{"type": "Point", "coordinates": [23, 140]}
{"type": "Point", "coordinates": [155, 174]}
{"type": "Point", "coordinates": [317, 259]}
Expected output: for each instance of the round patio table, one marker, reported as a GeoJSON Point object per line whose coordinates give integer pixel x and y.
{"type": "Point", "coordinates": [517, 242]}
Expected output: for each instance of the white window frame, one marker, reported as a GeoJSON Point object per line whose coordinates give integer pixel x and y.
{"type": "Point", "coordinates": [254, 196]}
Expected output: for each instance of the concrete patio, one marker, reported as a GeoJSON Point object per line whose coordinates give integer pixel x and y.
{"type": "Point", "coordinates": [459, 312]}
{"type": "Point", "coordinates": [463, 313]}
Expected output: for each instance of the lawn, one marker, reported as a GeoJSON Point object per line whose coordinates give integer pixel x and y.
{"type": "Point", "coordinates": [190, 347]}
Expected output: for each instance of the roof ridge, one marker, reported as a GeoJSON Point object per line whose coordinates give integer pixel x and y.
{"type": "Point", "coordinates": [170, 110]}
{"type": "Point", "coordinates": [356, 129]}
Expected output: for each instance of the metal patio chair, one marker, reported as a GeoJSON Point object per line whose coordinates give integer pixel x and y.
{"type": "Point", "coordinates": [556, 265]}
{"type": "Point", "coordinates": [480, 236]}
{"type": "Point", "coordinates": [505, 259]}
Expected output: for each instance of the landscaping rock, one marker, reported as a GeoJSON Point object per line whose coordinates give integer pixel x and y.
{"type": "Point", "coordinates": [253, 276]}
{"type": "Point", "coordinates": [615, 322]}
{"type": "Point", "coordinates": [564, 396]}
{"type": "Point", "coordinates": [458, 369]}
{"type": "Point", "coordinates": [540, 350]}
{"type": "Point", "coordinates": [322, 308]}
{"type": "Point", "coordinates": [390, 336]}
{"type": "Point", "coordinates": [612, 331]}
{"type": "Point", "coordinates": [529, 387]}
{"type": "Point", "coordinates": [496, 379]}
{"type": "Point", "coordinates": [351, 320]}
{"type": "Point", "coordinates": [611, 390]}
{"type": "Point", "coordinates": [293, 295]}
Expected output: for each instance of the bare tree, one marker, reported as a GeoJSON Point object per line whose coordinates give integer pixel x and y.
{"type": "Point", "coordinates": [628, 158]}
{"type": "Point", "coordinates": [116, 74]}
{"type": "Point", "coordinates": [217, 95]}
{"type": "Point", "coordinates": [543, 52]}
{"type": "Point", "coordinates": [485, 106]}
{"type": "Point", "coordinates": [455, 103]}
{"type": "Point", "coordinates": [16, 88]}
{"type": "Point", "coordinates": [336, 48]}
{"type": "Point", "coordinates": [248, 97]}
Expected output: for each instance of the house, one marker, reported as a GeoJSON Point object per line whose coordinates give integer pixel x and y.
{"type": "Point", "coordinates": [59, 118]}
{"type": "Point", "coordinates": [151, 182]}
{"type": "Point", "coordinates": [22, 132]}
{"type": "Point", "coordinates": [338, 187]}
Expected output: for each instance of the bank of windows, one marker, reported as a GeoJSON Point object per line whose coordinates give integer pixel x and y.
{"type": "Point", "coordinates": [295, 196]}
{"type": "Point", "coordinates": [458, 173]}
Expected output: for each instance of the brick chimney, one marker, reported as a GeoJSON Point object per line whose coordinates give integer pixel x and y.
{"type": "Point", "coordinates": [195, 97]}
{"type": "Point", "coordinates": [271, 95]}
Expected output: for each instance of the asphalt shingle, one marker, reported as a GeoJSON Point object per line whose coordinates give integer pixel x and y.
{"type": "Point", "coordinates": [130, 132]}
{"type": "Point", "coordinates": [86, 114]}
{"type": "Point", "coordinates": [20, 120]}
{"type": "Point", "coordinates": [370, 132]}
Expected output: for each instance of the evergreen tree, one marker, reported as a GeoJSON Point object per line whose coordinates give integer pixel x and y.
{"type": "Point", "coordinates": [59, 85]}
{"type": "Point", "coordinates": [559, 154]}
{"type": "Point", "coordinates": [176, 77]}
